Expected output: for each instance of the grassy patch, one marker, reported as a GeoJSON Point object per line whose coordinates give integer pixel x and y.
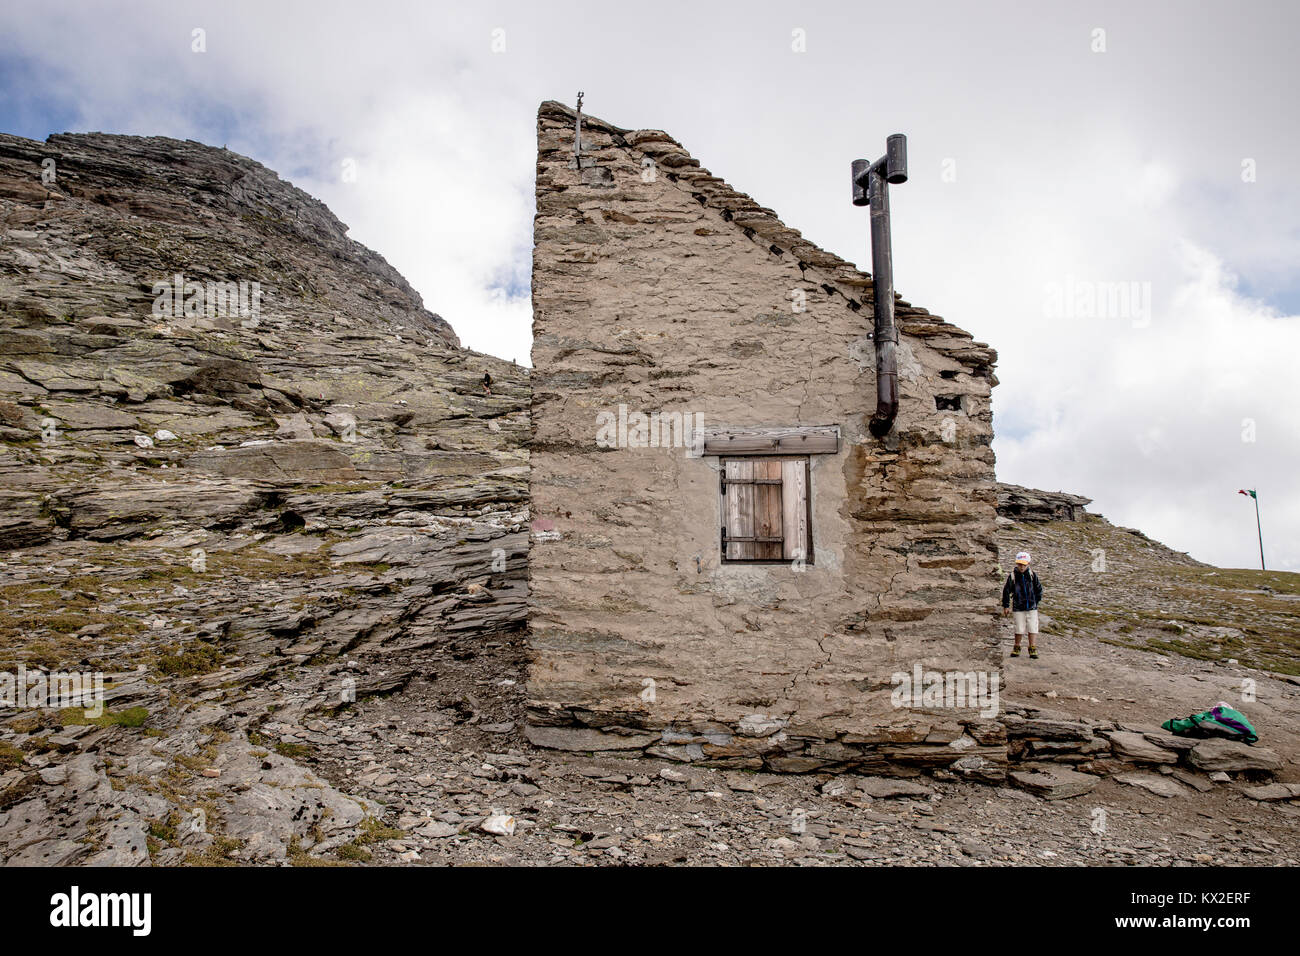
{"type": "Point", "coordinates": [218, 853]}
{"type": "Point", "coordinates": [300, 857]}
{"type": "Point", "coordinates": [295, 751]}
{"type": "Point", "coordinates": [131, 717]}
{"type": "Point", "coordinates": [10, 756]}
{"type": "Point", "coordinates": [165, 832]}
{"type": "Point", "coordinates": [372, 831]}
{"type": "Point", "coordinates": [354, 852]}
{"type": "Point", "coordinates": [200, 657]}
{"type": "Point", "coordinates": [1240, 579]}
{"type": "Point", "coordinates": [28, 725]}
{"type": "Point", "coordinates": [1184, 649]}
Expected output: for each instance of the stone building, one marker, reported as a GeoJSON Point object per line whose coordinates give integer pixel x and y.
{"type": "Point", "coordinates": [726, 566]}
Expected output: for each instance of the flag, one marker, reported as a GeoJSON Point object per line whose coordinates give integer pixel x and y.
{"type": "Point", "coordinates": [1248, 491]}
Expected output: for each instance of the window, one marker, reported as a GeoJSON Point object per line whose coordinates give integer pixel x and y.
{"type": "Point", "coordinates": [766, 509]}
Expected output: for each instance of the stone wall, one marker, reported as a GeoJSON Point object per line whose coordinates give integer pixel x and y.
{"type": "Point", "coordinates": [658, 287]}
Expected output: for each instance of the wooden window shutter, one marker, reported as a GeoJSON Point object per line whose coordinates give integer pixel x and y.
{"type": "Point", "coordinates": [765, 509]}
{"type": "Point", "coordinates": [795, 509]}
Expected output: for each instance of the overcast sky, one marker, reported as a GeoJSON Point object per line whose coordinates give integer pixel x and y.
{"type": "Point", "coordinates": [1057, 151]}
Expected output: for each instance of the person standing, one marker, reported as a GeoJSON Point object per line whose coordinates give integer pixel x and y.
{"type": "Point", "coordinates": [1020, 597]}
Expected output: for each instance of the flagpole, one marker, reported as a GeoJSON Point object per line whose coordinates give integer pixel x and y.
{"type": "Point", "coordinates": [1259, 531]}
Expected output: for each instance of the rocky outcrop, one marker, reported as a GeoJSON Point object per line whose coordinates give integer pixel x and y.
{"type": "Point", "coordinates": [93, 220]}
{"type": "Point", "coordinates": [242, 516]}
{"type": "Point", "coordinates": [1017, 503]}
{"type": "Point", "coordinates": [1055, 755]}
{"type": "Point", "coordinates": [1232, 755]}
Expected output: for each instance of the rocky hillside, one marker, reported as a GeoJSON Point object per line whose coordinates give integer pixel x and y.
{"type": "Point", "coordinates": [243, 518]}
{"type": "Point", "coordinates": [1117, 586]}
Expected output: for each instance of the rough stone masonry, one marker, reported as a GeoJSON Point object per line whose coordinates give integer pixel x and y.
{"type": "Point", "coordinates": [658, 290]}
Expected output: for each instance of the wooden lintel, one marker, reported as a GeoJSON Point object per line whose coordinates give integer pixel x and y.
{"type": "Point", "coordinates": [820, 440]}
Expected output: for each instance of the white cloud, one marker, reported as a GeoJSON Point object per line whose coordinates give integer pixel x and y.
{"type": "Point", "coordinates": [1173, 419]}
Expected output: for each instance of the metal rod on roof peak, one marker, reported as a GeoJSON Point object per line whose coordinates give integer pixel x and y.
{"type": "Point", "coordinates": [577, 134]}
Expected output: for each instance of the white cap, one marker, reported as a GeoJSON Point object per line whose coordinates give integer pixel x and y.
{"type": "Point", "coordinates": [1023, 556]}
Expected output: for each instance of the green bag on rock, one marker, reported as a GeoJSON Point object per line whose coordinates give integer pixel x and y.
{"type": "Point", "coordinates": [1219, 721]}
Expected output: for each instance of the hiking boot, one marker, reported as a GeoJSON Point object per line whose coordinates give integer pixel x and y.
{"type": "Point", "coordinates": [1033, 652]}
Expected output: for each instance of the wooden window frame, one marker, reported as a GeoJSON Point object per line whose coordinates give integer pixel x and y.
{"type": "Point", "coordinates": [722, 488]}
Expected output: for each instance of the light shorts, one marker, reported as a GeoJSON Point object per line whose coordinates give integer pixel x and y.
{"type": "Point", "coordinates": [1025, 619]}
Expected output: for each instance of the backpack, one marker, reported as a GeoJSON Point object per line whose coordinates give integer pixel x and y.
{"type": "Point", "coordinates": [1219, 721]}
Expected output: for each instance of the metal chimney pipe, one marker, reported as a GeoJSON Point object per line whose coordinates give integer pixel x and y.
{"type": "Point", "coordinates": [860, 167]}
{"type": "Point", "coordinates": [896, 158]}
{"type": "Point", "coordinates": [871, 187]}
{"type": "Point", "coordinates": [886, 333]}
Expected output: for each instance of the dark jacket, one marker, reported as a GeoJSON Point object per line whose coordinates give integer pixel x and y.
{"type": "Point", "coordinates": [1023, 591]}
